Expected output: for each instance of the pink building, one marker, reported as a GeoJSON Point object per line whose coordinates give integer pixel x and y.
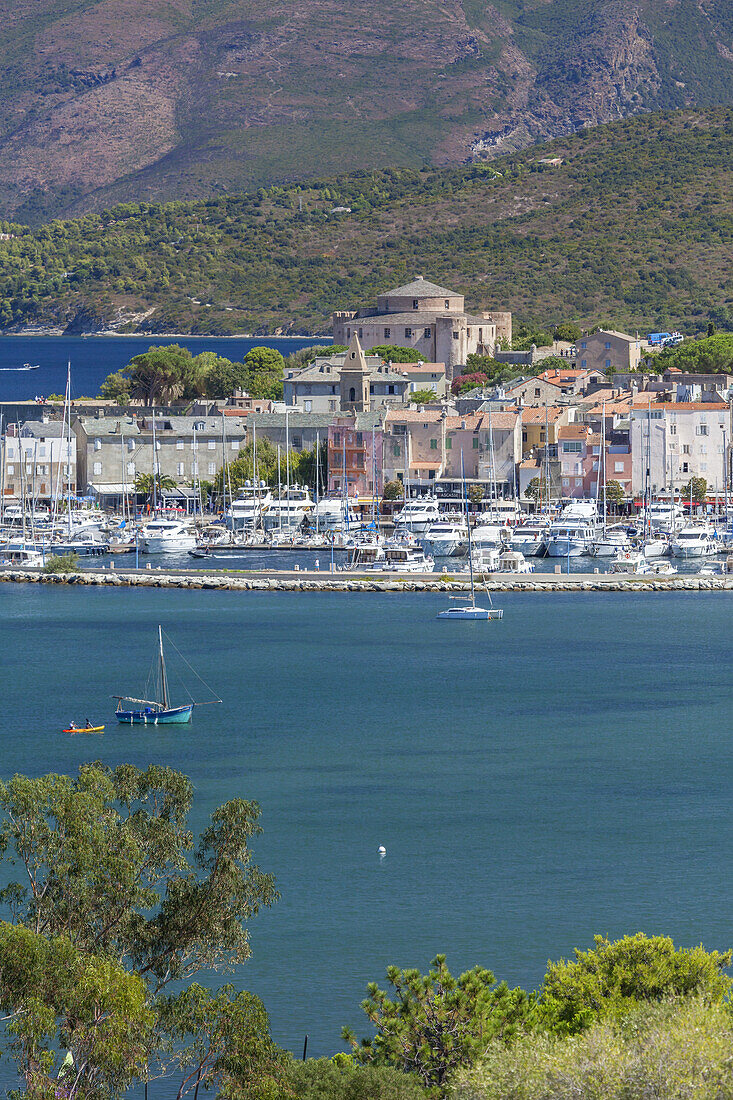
{"type": "Point", "coordinates": [579, 455]}
{"type": "Point", "coordinates": [350, 455]}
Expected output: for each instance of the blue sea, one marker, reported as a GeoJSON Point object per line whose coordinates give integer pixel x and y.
{"type": "Point", "coordinates": [92, 358]}
{"type": "Point", "coordinates": [561, 773]}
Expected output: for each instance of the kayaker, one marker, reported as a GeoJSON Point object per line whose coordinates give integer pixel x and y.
{"type": "Point", "coordinates": [89, 725]}
{"type": "Point", "coordinates": [72, 725]}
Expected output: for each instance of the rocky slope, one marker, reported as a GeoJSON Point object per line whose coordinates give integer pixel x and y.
{"type": "Point", "coordinates": [109, 100]}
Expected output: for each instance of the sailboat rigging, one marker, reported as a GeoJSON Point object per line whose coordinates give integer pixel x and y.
{"type": "Point", "coordinates": [159, 711]}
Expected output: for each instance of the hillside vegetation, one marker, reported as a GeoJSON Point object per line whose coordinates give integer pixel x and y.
{"type": "Point", "coordinates": [634, 228]}
{"type": "Point", "coordinates": [116, 100]}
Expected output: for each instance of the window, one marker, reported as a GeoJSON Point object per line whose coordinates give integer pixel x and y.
{"type": "Point", "coordinates": [408, 333]}
{"type": "Point", "coordinates": [578, 482]}
{"type": "Point", "coordinates": [212, 467]}
{"type": "Point", "coordinates": [685, 468]}
{"type": "Point", "coordinates": [11, 470]}
{"type": "Point", "coordinates": [524, 436]}
{"type": "Point", "coordinates": [97, 444]}
{"type": "Point", "coordinates": [396, 450]}
{"type": "Point", "coordinates": [387, 333]}
{"type": "Point", "coordinates": [308, 406]}
{"type": "Point", "coordinates": [352, 394]}
{"type": "Point", "coordinates": [337, 439]}
{"type": "Point", "coordinates": [131, 444]}
{"type": "Point", "coordinates": [433, 444]}
{"type": "Point", "coordinates": [211, 444]}
{"type": "Point", "coordinates": [426, 333]}
{"type": "Point", "coordinates": [447, 303]}
{"type": "Point", "coordinates": [235, 444]}
{"type": "Point", "coordinates": [703, 465]}
{"type": "Point", "coordinates": [332, 406]}
{"type": "Point", "coordinates": [701, 429]}
{"type": "Point", "coordinates": [583, 345]}
{"type": "Point", "coordinates": [703, 450]}
{"type": "Point", "coordinates": [131, 469]}
{"type": "Point", "coordinates": [673, 429]}
{"type": "Point", "coordinates": [97, 469]}
{"type": "Point", "coordinates": [607, 345]}
{"type": "Point", "coordinates": [455, 334]}
{"type": "Point", "coordinates": [180, 469]}
{"type": "Point", "coordinates": [537, 391]}
{"type": "Point", "coordinates": [618, 467]}
{"type": "Point", "coordinates": [415, 303]}
{"type": "Point", "coordinates": [195, 466]}
{"type": "Point", "coordinates": [608, 363]}
{"type": "Point", "coordinates": [449, 443]}
{"type": "Point", "coordinates": [297, 442]}
{"type": "Point", "coordinates": [685, 448]}
{"type": "Point", "coordinates": [474, 442]}
{"type": "Point", "coordinates": [41, 452]}
{"type": "Point", "coordinates": [179, 444]}
{"type": "Point", "coordinates": [200, 427]}
{"type": "Point", "coordinates": [390, 389]}
{"type": "Point", "coordinates": [566, 481]}
{"type": "Point", "coordinates": [572, 447]}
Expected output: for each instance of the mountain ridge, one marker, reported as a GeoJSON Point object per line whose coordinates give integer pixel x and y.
{"type": "Point", "coordinates": [121, 100]}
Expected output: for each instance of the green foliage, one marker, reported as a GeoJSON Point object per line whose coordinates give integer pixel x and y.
{"type": "Point", "coordinates": [148, 485]}
{"type": "Point", "coordinates": [475, 493]}
{"type": "Point", "coordinates": [61, 563]}
{"type": "Point", "coordinates": [540, 339]}
{"type": "Point", "coordinates": [615, 494]}
{"type": "Point", "coordinates": [611, 979]}
{"type": "Point", "coordinates": [393, 490]}
{"type": "Point", "coordinates": [538, 490]}
{"type": "Point", "coordinates": [423, 397]}
{"type": "Point", "coordinates": [302, 467]}
{"type": "Point", "coordinates": [161, 374]}
{"type": "Point", "coordinates": [395, 353]}
{"type": "Point", "coordinates": [265, 368]}
{"type": "Point", "coordinates": [116, 387]}
{"type": "Point", "coordinates": [52, 996]}
{"type": "Point", "coordinates": [711, 355]}
{"type": "Point", "coordinates": [438, 1023]}
{"type": "Point", "coordinates": [670, 1051]}
{"type": "Point", "coordinates": [568, 331]}
{"type": "Point", "coordinates": [339, 1079]}
{"type": "Point", "coordinates": [696, 490]}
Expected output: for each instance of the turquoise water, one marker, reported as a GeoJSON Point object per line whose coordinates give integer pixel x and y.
{"type": "Point", "coordinates": [563, 772]}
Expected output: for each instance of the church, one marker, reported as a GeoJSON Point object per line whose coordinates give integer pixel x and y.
{"type": "Point", "coordinates": [429, 318]}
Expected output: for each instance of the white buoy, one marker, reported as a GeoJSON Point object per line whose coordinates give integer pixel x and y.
{"type": "Point", "coordinates": [382, 850]}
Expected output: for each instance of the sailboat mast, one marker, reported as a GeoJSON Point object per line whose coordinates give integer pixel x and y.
{"type": "Point", "coordinates": [468, 525]}
{"type": "Point", "coordinates": [155, 469]}
{"type": "Point", "coordinates": [163, 676]}
{"type": "Point", "coordinates": [602, 463]}
{"type": "Point", "coordinates": [67, 414]}
{"type": "Point", "coordinates": [318, 457]}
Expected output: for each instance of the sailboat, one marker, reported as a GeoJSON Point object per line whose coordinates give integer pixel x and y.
{"type": "Point", "coordinates": [471, 611]}
{"type": "Point", "coordinates": [156, 712]}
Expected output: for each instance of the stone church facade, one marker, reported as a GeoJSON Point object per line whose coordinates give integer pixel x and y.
{"type": "Point", "coordinates": [430, 319]}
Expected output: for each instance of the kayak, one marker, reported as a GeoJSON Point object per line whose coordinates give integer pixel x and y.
{"type": "Point", "coordinates": [85, 729]}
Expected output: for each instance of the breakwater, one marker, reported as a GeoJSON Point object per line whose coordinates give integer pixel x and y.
{"type": "Point", "coordinates": [339, 582]}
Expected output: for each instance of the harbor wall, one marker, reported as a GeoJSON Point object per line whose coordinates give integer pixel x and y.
{"type": "Point", "coordinates": [339, 583]}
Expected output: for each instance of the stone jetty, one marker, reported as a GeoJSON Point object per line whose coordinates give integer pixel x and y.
{"type": "Point", "coordinates": [340, 582]}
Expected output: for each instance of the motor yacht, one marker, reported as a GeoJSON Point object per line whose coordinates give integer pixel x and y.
{"type": "Point", "coordinates": [570, 538]}
{"type": "Point", "coordinates": [407, 559]}
{"type": "Point", "coordinates": [245, 511]}
{"type": "Point", "coordinates": [167, 536]}
{"type": "Point", "coordinates": [664, 515]}
{"type": "Point", "coordinates": [14, 554]}
{"type": "Point", "coordinates": [512, 561]}
{"type": "Point", "coordinates": [334, 514]}
{"type": "Point", "coordinates": [417, 515]}
{"type": "Point", "coordinates": [447, 538]}
{"type": "Point", "coordinates": [610, 541]}
{"type": "Point", "coordinates": [502, 512]}
{"type": "Point", "coordinates": [285, 515]}
{"type": "Point", "coordinates": [488, 534]}
{"type": "Point", "coordinates": [485, 559]}
{"type": "Point", "coordinates": [634, 562]}
{"type": "Point", "coordinates": [529, 539]}
{"type": "Point", "coordinates": [695, 540]}
{"type": "Point", "coordinates": [367, 555]}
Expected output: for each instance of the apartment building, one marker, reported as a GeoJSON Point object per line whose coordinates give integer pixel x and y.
{"type": "Point", "coordinates": [675, 441]}
{"type": "Point", "coordinates": [355, 449]}
{"type": "Point", "coordinates": [324, 385]}
{"type": "Point", "coordinates": [609, 350]}
{"type": "Point", "coordinates": [37, 462]}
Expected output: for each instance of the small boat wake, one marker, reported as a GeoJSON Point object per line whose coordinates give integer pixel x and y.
{"type": "Point", "coordinates": [26, 366]}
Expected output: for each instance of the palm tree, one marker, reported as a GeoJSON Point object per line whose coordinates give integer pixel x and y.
{"type": "Point", "coordinates": [145, 484]}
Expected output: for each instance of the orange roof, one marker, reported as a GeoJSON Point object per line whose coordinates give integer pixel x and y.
{"type": "Point", "coordinates": [679, 406]}
{"type": "Point", "coordinates": [536, 414]}
{"type": "Point", "coordinates": [434, 368]}
{"type": "Point", "coordinates": [430, 416]}
{"type": "Point", "coordinates": [574, 431]}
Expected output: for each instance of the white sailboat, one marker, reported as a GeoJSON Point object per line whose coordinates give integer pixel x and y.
{"type": "Point", "coordinates": [471, 611]}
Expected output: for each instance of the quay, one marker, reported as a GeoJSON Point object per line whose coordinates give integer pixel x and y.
{"type": "Point", "coordinates": [310, 581]}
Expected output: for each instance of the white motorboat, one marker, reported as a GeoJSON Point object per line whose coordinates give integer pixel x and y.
{"type": "Point", "coordinates": [167, 536]}
{"type": "Point", "coordinates": [512, 561]}
{"type": "Point", "coordinates": [529, 539]}
{"type": "Point", "coordinates": [485, 559]}
{"type": "Point", "coordinates": [334, 514]}
{"type": "Point", "coordinates": [11, 554]}
{"type": "Point", "coordinates": [417, 515]}
{"type": "Point", "coordinates": [695, 540]}
{"type": "Point", "coordinates": [245, 511]}
{"type": "Point", "coordinates": [367, 555]}
{"type": "Point", "coordinates": [569, 538]}
{"type": "Point", "coordinates": [610, 541]}
{"type": "Point", "coordinates": [629, 561]}
{"type": "Point", "coordinates": [664, 516]}
{"type": "Point", "coordinates": [407, 559]}
{"type": "Point", "coordinates": [447, 538]}
{"type": "Point", "coordinates": [488, 534]}
{"type": "Point", "coordinates": [286, 514]}
{"type": "Point", "coordinates": [502, 512]}
{"type": "Point", "coordinates": [654, 546]}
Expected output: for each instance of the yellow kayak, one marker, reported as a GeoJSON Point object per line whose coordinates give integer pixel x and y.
{"type": "Point", "coordinates": [85, 729]}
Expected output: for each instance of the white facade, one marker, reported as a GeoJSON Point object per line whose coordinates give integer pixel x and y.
{"type": "Point", "coordinates": [38, 464]}
{"type": "Point", "coordinates": [679, 441]}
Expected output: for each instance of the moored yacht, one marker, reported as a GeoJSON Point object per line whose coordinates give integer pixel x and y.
{"type": "Point", "coordinates": [512, 561]}
{"type": "Point", "coordinates": [245, 511]}
{"type": "Point", "coordinates": [695, 540]}
{"type": "Point", "coordinates": [529, 539]}
{"type": "Point", "coordinates": [286, 514]}
{"type": "Point", "coordinates": [417, 515]}
{"type": "Point", "coordinates": [334, 514]}
{"type": "Point", "coordinates": [610, 541]}
{"type": "Point", "coordinates": [569, 538]}
{"type": "Point", "coordinates": [447, 538]}
{"type": "Point", "coordinates": [167, 536]}
{"type": "Point", "coordinates": [407, 559]}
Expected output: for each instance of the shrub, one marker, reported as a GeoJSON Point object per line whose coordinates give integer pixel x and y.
{"type": "Point", "coordinates": [340, 1079]}
{"type": "Point", "coordinates": [61, 563]}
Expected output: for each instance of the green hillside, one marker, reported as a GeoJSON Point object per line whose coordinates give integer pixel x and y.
{"type": "Point", "coordinates": [634, 228]}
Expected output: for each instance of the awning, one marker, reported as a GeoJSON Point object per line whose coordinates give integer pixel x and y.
{"type": "Point", "coordinates": [113, 489]}
{"type": "Point", "coordinates": [426, 465]}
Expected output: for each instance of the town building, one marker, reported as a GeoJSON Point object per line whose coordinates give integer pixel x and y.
{"type": "Point", "coordinates": [429, 318]}
{"type": "Point", "coordinates": [355, 449]}
{"type": "Point", "coordinates": [540, 425]}
{"type": "Point", "coordinates": [38, 463]}
{"type": "Point", "coordinates": [609, 350]}
{"type": "Point", "coordinates": [325, 385]}
{"type": "Point", "coordinates": [425, 376]}
{"type": "Point", "coordinates": [582, 465]}
{"type": "Point", "coordinates": [672, 442]}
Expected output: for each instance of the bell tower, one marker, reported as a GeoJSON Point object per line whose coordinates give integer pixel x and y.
{"type": "Point", "coordinates": [354, 380]}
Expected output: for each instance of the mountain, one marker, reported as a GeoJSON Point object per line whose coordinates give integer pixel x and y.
{"type": "Point", "coordinates": [118, 100]}
{"type": "Point", "coordinates": [629, 224]}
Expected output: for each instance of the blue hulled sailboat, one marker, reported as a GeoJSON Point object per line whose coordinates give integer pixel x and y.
{"type": "Point", "coordinates": [154, 712]}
